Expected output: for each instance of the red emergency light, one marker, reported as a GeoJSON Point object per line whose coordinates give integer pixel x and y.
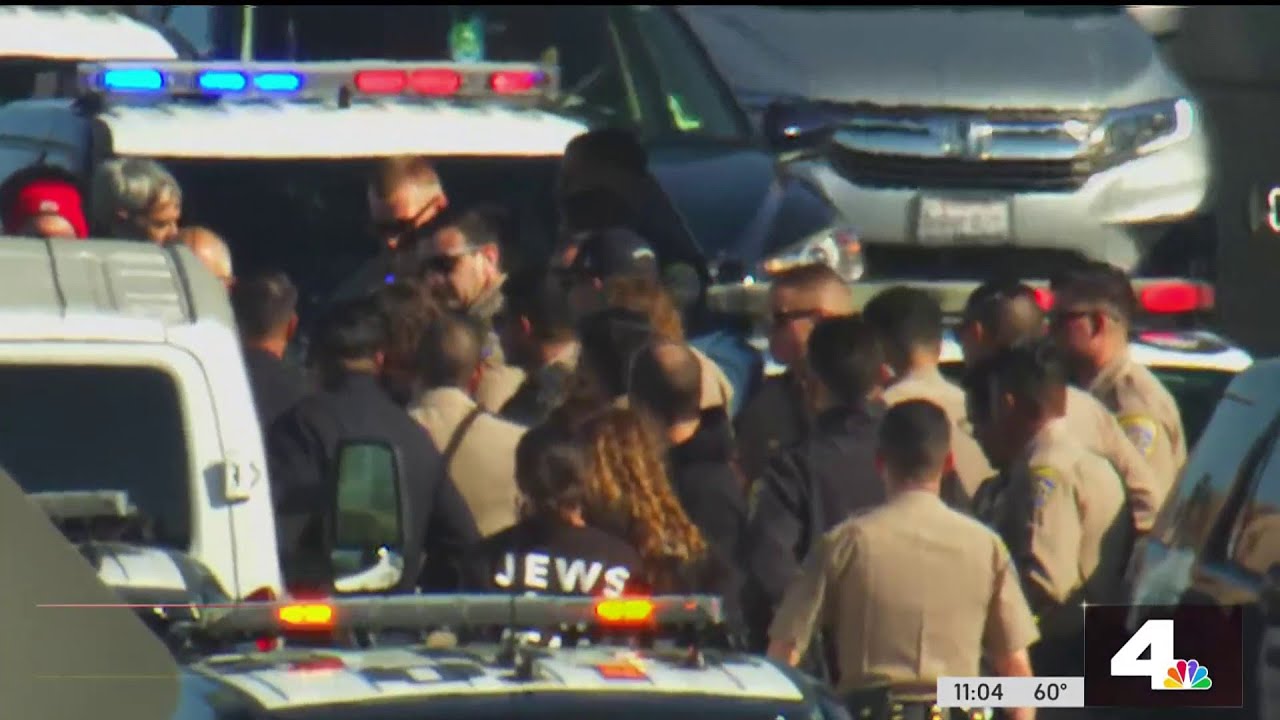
{"type": "Point", "coordinates": [1044, 298]}
{"type": "Point", "coordinates": [1175, 297]}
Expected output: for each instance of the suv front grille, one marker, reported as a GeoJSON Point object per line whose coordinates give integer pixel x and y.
{"type": "Point", "coordinates": [905, 171]}
{"type": "Point", "coordinates": [910, 147]}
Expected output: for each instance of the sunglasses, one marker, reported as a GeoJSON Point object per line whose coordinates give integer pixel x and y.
{"type": "Point", "coordinates": [443, 264]}
{"type": "Point", "coordinates": [407, 227]}
{"type": "Point", "coordinates": [788, 316]}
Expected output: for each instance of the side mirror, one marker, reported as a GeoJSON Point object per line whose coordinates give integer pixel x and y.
{"type": "Point", "coordinates": [369, 524]}
{"type": "Point", "coordinates": [795, 124]}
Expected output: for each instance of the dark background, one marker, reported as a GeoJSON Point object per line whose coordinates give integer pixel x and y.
{"type": "Point", "coordinates": [1210, 635]}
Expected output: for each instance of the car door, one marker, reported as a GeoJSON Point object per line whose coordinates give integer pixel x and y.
{"type": "Point", "coordinates": [1251, 569]}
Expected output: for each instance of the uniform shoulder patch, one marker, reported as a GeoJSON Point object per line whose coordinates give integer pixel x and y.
{"type": "Point", "coordinates": [1142, 431]}
{"type": "Point", "coordinates": [1044, 480]}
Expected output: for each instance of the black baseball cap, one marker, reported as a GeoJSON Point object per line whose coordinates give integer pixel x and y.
{"type": "Point", "coordinates": [611, 252]}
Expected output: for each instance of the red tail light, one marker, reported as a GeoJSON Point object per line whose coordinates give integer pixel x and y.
{"type": "Point", "coordinates": [264, 594]}
{"type": "Point", "coordinates": [1176, 297]}
{"type": "Point", "coordinates": [1044, 298]}
{"type": "Point", "coordinates": [509, 82]}
{"type": "Point", "coordinates": [381, 82]}
{"type": "Point", "coordinates": [435, 82]}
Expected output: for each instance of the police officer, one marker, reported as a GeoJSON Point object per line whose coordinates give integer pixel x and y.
{"type": "Point", "coordinates": [909, 323]}
{"type": "Point", "coordinates": [810, 488]}
{"type": "Point", "coordinates": [1094, 309]}
{"type": "Point", "coordinates": [302, 447]}
{"type": "Point", "coordinates": [777, 416]}
{"type": "Point", "coordinates": [1003, 313]}
{"type": "Point", "coordinates": [1059, 506]}
{"type": "Point", "coordinates": [910, 586]}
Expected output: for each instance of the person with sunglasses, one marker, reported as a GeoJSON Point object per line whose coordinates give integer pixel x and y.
{"type": "Point", "coordinates": [461, 262]}
{"type": "Point", "coordinates": [810, 488]}
{"type": "Point", "coordinates": [405, 195]}
{"type": "Point", "coordinates": [1093, 312]}
{"type": "Point", "coordinates": [1004, 313]}
{"type": "Point", "coordinates": [776, 416]}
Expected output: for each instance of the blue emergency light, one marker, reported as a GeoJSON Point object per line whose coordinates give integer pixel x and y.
{"type": "Point", "coordinates": [359, 78]}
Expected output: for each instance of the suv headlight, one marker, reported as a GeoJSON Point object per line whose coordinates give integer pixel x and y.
{"type": "Point", "coordinates": [837, 248]}
{"type": "Point", "coordinates": [1143, 129]}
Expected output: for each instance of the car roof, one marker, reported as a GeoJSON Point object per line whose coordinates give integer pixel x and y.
{"type": "Point", "coordinates": [1180, 349]}
{"type": "Point", "coordinates": [288, 679]}
{"type": "Point", "coordinates": [111, 290]}
{"type": "Point", "coordinates": [72, 33]}
{"type": "Point", "coordinates": [366, 129]}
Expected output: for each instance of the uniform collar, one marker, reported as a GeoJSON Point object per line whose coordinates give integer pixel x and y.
{"type": "Point", "coordinates": [1050, 433]}
{"type": "Point", "coordinates": [1106, 377]}
{"type": "Point", "coordinates": [916, 497]}
{"type": "Point", "coordinates": [446, 396]}
{"type": "Point", "coordinates": [490, 302]}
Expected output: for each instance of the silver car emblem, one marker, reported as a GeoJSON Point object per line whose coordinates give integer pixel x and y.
{"type": "Point", "coordinates": [969, 138]}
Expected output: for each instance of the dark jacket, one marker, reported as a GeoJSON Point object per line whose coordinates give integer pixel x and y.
{"type": "Point", "coordinates": [804, 493]}
{"type": "Point", "coordinates": [708, 485]}
{"type": "Point", "coordinates": [552, 558]}
{"type": "Point", "coordinates": [776, 418]}
{"type": "Point", "coordinates": [302, 448]}
{"type": "Point", "coordinates": [277, 385]}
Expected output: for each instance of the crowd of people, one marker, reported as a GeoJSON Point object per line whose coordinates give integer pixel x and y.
{"type": "Point", "coordinates": [861, 515]}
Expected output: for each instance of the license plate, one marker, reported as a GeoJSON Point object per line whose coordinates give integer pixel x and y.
{"type": "Point", "coordinates": [950, 220]}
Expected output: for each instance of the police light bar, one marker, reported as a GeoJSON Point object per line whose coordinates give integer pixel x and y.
{"type": "Point", "coordinates": [319, 80]}
{"type": "Point", "coordinates": [1159, 296]}
{"type": "Point", "coordinates": [425, 613]}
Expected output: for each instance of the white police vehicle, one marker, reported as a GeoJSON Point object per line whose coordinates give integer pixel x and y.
{"type": "Point", "coordinates": [130, 416]}
{"type": "Point", "coordinates": [38, 42]}
{"type": "Point", "coordinates": [276, 156]}
{"type": "Point", "coordinates": [1196, 365]}
{"type": "Point", "coordinates": [550, 657]}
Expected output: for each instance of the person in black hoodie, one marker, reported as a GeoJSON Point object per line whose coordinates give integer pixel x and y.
{"type": "Point", "coordinates": [266, 307]}
{"type": "Point", "coordinates": [811, 488]}
{"type": "Point", "coordinates": [666, 381]}
{"type": "Point", "coordinates": [551, 550]}
{"type": "Point", "coordinates": [302, 451]}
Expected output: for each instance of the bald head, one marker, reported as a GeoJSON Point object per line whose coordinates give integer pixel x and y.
{"type": "Point", "coordinates": [210, 249]}
{"type": "Point", "coordinates": [666, 379]}
{"type": "Point", "coordinates": [819, 287]}
{"type": "Point", "coordinates": [451, 351]}
{"type": "Point", "coordinates": [1000, 315]}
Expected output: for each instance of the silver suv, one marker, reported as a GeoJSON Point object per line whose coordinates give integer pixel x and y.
{"type": "Point", "coordinates": [960, 138]}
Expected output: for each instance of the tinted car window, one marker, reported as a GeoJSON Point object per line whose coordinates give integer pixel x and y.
{"type": "Point", "coordinates": [320, 207]}
{"type": "Point", "coordinates": [1197, 393]}
{"type": "Point", "coordinates": [99, 428]}
{"type": "Point", "coordinates": [1254, 542]}
{"type": "Point", "coordinates": [654, 79]}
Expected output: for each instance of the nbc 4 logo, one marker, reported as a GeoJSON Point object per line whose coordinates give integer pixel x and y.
{"type": "Point", "coordinates": [1166, 671]}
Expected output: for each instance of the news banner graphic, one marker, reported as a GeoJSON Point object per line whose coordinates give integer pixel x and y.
{"type": "Point", "coordinates": [1145, 657]}
{"type": "Point", "coordinates": [1164, 656]}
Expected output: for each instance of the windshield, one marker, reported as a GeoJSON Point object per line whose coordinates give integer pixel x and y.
{"type": "Point", "coordinates": [99, 428]}
{"type": "Point", "coordinates": [310, 218]}
{"type": "Point", "coordinates": [634, 66]}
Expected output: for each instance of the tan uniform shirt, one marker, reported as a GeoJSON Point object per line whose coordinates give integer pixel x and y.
{"type": "Point", "coordinates": [717, 391]}
{"type": "Point", "coordinates": [1148, 414]}
{"type": "Point", "coordinates": [911, 591]}
{"type": "Point", "coordinates": [971, 462]}
{"type": "Point", "coordinates": [1077, 537]}
{"type": "Point", "coordinates": [484, 466]}
{"type": "Point", "coordinates": [498, 380]}
{"type": "Point", "coordinates": [1096, 428]}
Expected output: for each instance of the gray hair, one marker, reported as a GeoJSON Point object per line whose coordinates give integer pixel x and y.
{"type": "Point", "coordinates": [133, 185]}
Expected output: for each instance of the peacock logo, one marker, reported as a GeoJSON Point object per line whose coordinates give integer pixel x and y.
{"type": "Point", "coordinates": [1187, 675]}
